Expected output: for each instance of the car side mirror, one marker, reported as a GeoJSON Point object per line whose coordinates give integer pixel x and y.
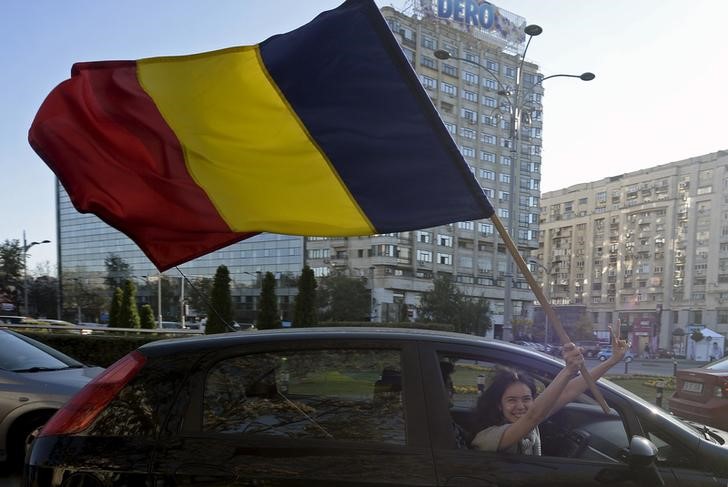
{"type": "Point", "coordinates": [642, 460]}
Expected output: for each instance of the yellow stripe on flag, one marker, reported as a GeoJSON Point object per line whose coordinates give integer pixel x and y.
{"type": "Point", "coordinates": [246, 148]}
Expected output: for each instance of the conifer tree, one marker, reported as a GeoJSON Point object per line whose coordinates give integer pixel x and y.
{"type": "Point", "coordinates": [129, 314]}
{"type": "Point", "coordinates": [305, 307]}
{"type": "Point", "coordinates": [220, 310]}
{"type": "Point", "coordinates": [268, 316]}
{"type": "Point", "coordinates": [115, 311]}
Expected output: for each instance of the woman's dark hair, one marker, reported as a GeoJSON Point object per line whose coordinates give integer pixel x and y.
{"type": "Point", "coordinates": [487, 411]}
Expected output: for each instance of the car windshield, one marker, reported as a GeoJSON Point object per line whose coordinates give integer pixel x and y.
{"type": "Point", "coordinates": [719, 366]}
{"type": "Point", "coordinates": [24, 355]}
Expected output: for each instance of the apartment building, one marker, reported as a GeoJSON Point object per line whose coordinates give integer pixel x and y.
{"type": "Point", "coordinates": [649, 248]}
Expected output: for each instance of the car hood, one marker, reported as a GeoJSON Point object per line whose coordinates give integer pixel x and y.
{"type": "Point", "coordinates": [70, 380]}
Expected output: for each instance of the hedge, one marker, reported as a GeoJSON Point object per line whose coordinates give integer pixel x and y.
{"type": "Point", "coordinates": [105, 349]}
{"type": "Point", "coordinates": [101, 350]}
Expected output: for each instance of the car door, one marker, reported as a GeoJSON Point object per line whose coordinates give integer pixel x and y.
{"type": "Point", "coordinates": [324, 413]}
{"type": "Point", "coordinates": [462, 466]}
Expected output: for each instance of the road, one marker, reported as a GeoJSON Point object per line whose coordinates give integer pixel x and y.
{"type": "Point", "coordinates": [661, 367]}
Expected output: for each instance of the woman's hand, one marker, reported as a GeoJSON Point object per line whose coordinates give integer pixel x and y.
{"type": "Point", "coordinates": [573, 357]}
{"type": "Point", "coordinates": [619, 347]}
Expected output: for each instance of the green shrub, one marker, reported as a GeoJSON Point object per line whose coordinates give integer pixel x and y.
{"type": "Point", "coordinates": [101, 350]}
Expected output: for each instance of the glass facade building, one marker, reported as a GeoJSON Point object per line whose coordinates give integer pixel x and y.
{"type": "Point", "coordinates": [85, 242]}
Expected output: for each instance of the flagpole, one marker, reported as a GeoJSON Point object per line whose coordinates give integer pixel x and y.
{"type": "Point", "coordinates": [552, 316]}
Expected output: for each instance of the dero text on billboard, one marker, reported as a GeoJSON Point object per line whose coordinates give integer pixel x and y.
{"type": "Point", "coordinates": [469, 12]}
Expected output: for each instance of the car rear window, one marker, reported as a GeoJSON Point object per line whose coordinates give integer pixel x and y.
{"type": "Point", "coordinates": [335, 394]}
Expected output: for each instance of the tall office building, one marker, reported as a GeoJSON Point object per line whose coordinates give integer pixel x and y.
{"type": "Point", "coordinates": [649, 248]}
{"type": "Point", "coordinates": [473, 102]}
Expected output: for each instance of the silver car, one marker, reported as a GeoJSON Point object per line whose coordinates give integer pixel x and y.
{"type": "Point", "coordinates": [35, 381]}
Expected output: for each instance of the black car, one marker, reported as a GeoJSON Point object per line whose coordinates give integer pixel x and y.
{"type": "Point", "coordinates": [347, 407]}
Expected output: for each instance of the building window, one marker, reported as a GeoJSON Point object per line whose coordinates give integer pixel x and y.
{"type": "Point", "coordinates": [428, 62]}
{"type": "Point", "coordinates": [424, 237]}
{"type": "Point", "coordinates": [510, 71]}
{"type": "Point", "coordinates": [491, 65]}
{"type": "Point", "coordinates": [487, 138]}
{"type": "Point", "coordinates": [504, 178]}
{"type": "Point", "coordinates": [424, 256]}
{"type": "Point", "coordinates": [467, 151]}
{"type": "Point", "coordinates": [469, 115]}
{"type": "Point", "coordinates": [487, 156]}
{"type": "Point", "coordinates": [449, 70]}
{"type": "Point", "coordinates": [428, 42]}
{"type": "Point", "coordinates": [470, 78]}
{"type": "Point", "coordinates": [485, 228]}
{"type": "Point", "coordinates": [465, 226]}
{"type": "Point", "coordinates": [444, 240]}
{"type": "Point", "coordinates": [490, 84]}
{"type": "Point", "coordinates": [467, 133]}
{"type": "Point", "coordinates": [451, 127]}
{"type": "Point", "coordinates": [489, 101]}
{"type": "Point", "coordinates": [444, 259]}
{"type": "Point", "coordinates": [470, 96]}
{"type": "Point", "coordinates": [318, 253]}
{"type": "Point", "coordinates": [428, 83]}
{"type": "Point", "coordinates": [448, 89]}
{"type": "Point", "coordinates": [503, 212]}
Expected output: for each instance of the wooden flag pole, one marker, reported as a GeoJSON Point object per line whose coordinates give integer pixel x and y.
{"type": "Point", "coordinates": [546, 306]}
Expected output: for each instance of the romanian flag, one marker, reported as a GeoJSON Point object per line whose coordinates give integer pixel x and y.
{"type": "Point", "coordinates": [323, 131]}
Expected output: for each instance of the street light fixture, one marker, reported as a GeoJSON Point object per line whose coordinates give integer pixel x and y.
{"type": "Point", "coordinates": [516, 108]}
{"type": "Point", "coordinates": [26, 247]}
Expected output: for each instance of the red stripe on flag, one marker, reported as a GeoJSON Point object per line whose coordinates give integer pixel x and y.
{"type": "Point", "coordinates": [115, 155]}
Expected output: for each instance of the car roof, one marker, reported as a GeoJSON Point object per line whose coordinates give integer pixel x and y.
{"type": "Point", "coordinates": [232, 339]}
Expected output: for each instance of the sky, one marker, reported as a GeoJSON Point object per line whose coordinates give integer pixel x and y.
{"type": "Point", "coordinates": [659, 95]}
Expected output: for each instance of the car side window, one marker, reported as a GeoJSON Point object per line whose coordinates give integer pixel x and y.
{"type": "Point", "coordinates": [337, 394]}
{"type": "Point", "coordinates": [580, 429]}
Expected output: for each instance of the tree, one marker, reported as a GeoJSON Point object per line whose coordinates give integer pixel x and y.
{"type": "Point", "coordinates": [11, 270]}
{"type": "Point", "coordinates": [147, 317]}
{"type": "Point", "coordinates": [118, 271]}
{"type": "Point", "coordinates": [220, 309]}
{"type": "Point", "coordinates": [115, 311]}
{"type": "Point", "coordinates": [268, 316]}
{"type": "Point", "coordinates": [441, 303]}
{"type": "Point", "coordinates": [304, 313]}
{"type": "Point", "coordinates": [44, 294]}
{"type": "Point", "coordinates": [343, 298]}
{"type": "Point", "coordinates": [446, 304]}
{"type": "Point", "coordinates": [582, 329]}
{"type": "Point", "coordinates": [199, 295]}
{"type": "Point", "coordinates": [128, 314]}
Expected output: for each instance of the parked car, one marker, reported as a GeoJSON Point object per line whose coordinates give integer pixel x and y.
{"type": "Point", "coordinates": [590, 348]}
{"type": "Point", "coordinates": [343, 406]}
{"type": "Point", "coordinates": [701, 394]}
{"type": "Point", "coordinates": [35, 381]}
{"type": "Point", "coordinates": [606, 352]}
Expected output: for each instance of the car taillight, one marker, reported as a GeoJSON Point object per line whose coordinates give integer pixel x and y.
{"type": "Point", "coordinates": [721, 391]}
{"type": "Point", "coordinates": [86, 405]}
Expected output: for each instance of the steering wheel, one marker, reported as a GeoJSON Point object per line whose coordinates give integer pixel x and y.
{"type": "Point", "coordinates": [576, 441]}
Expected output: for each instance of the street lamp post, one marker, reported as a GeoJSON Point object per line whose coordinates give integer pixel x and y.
{"type": "Point", "coordinates": [516, 108]}
{"type": "Point", "coordinates": [26, 247]}
{"type": "Point", "coordinates": [548, 295]}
